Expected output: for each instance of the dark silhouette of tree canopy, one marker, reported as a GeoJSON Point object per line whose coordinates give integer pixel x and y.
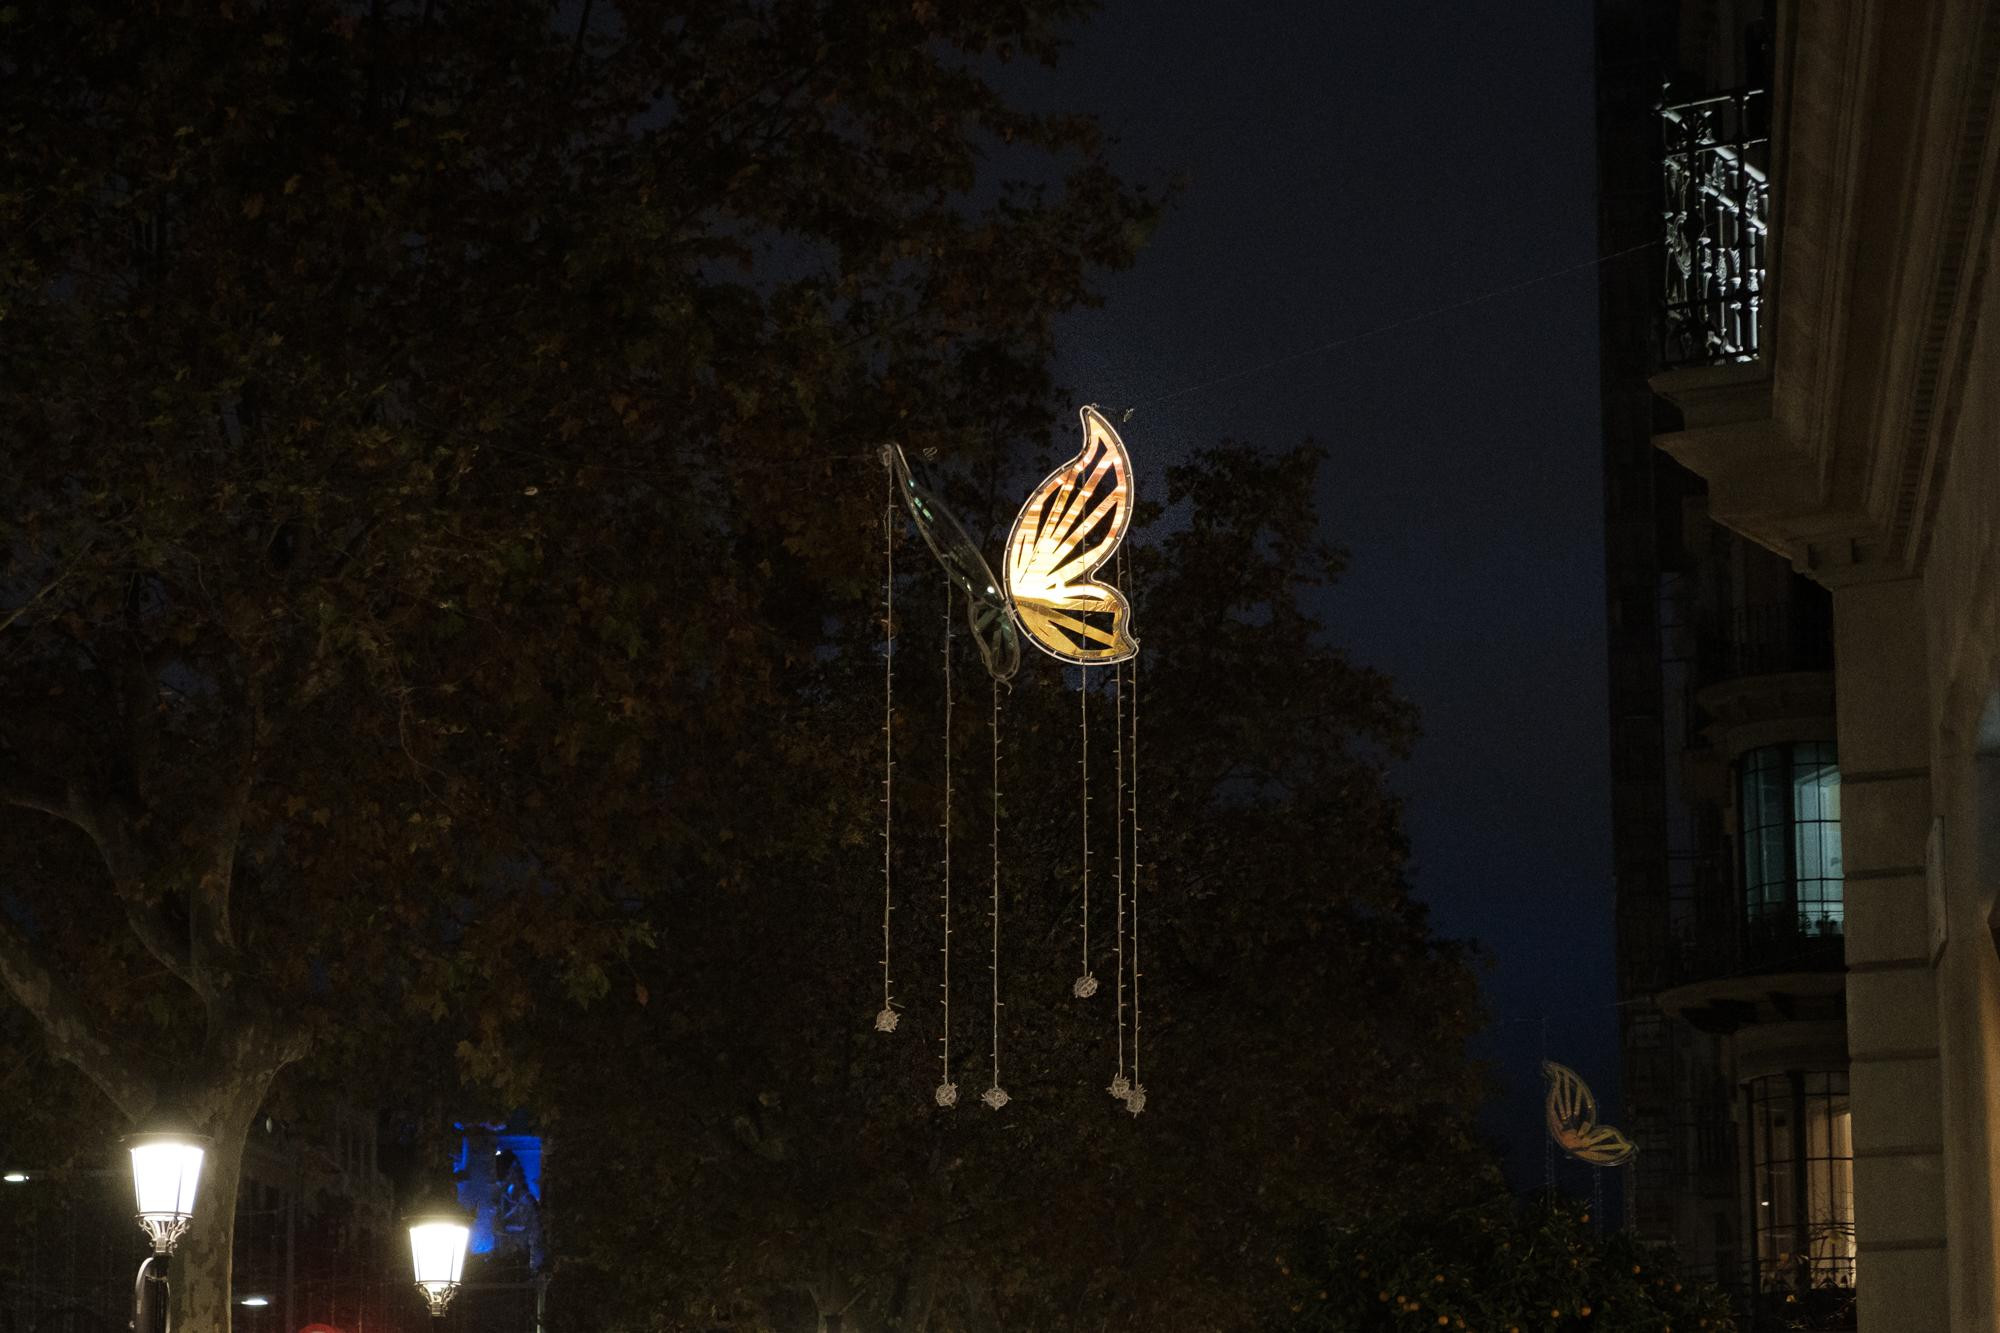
{"type": "Point", "coordinates": [748, 1151]}
{"type": "Point", "coordinates": [1493, 1265]}
{"type": "Point", "coordinates": [439, 641]}
{"type": "Point", "coordinates": [433, 432]}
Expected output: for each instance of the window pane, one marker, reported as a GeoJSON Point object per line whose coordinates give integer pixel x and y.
{"type": "Point", "coordinates": [1802, 1139]}
{"type": "Point", "coordinates": [1788, 809]}
{"type": "Point", "coordinates": [1829, 1181]}
{"type": "Point", "coordinates": [1816, 806]}
{"type": "Point", "coordinates": [1774, 1152]}
{"type": "Point", "coordinates": [1766, 828]}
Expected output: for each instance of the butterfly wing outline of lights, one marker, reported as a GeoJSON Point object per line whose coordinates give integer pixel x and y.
{"type": "Point", "coordinates": [1070, 527]}
{"type": "Point", "coordinates": [1572, 1115]}
{"type": "Point", "coordinates": [988, 611]}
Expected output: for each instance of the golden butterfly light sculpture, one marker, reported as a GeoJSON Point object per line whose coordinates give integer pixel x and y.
{"type": "Point", "coordinates": [1572, 1117]}
{"type": "Point", "coordinates": [1070, 527]}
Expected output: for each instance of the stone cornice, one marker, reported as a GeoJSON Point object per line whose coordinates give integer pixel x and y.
{"type": "Point", "coordinates": [1944, 285]}
{"type": "Point", "coordinates": [1886, 185]}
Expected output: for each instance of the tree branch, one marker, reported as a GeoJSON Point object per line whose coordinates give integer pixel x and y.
{"type": "Point", "coordinates": [156, 934]}
{"type": "Point", "coordinates": [108, 828]}
{"type": "Point", "coordinates": [30, 789]}
{"type": "Point", "coordinates": [72, 1034]}
{"type": "Point", "coordinates": [211, 936]}
{"type": "Point", "coordinates": [138, 685]}
{"type": "Point", "coordinates": [61, 578]}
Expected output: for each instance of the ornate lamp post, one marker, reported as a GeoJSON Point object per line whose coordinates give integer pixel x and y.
{"type": "Point", "coordinates": [166, 1173]}
{"type": "Point", "coordinates": [437, 1254]}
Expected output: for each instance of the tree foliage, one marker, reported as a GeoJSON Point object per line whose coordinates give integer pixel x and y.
{"type": "Point", "coordinates": [751, 1150]}
{"type": "Point", "coordinates": [430, 434]}
{"type": "Point", "coordinates": [442, 528]}
{"type": "Point", "coordinates": [1494, 1267]}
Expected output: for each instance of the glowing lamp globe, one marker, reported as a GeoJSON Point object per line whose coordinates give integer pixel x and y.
{"type": "Point", "coordinates": [166, 1172]}
{"type": "Point", "coordinates": [437, 1253]}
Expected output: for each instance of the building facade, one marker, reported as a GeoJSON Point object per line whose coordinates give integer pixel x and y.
{"type": "Point", "coordinates": [1802, 438]}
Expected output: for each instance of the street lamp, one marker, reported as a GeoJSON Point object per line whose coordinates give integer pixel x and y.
{"type": "Point", "coordinates": [166, 1173]}
{"type": "Point", "coordinates": [437, 1254]}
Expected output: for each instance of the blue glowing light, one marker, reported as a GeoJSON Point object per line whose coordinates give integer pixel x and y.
{"type": "Point", "coordinates": [494, 1170]}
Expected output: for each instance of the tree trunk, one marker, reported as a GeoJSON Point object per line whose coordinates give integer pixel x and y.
{"type": "Point", "coordinates": [202, 1277]}
{"type": "Point", "coordinates": [916, 1295]}
{"type": "Point", "coordinates": [246, 1039]}
{"type": "Point", "coordinates": [831, 1292]}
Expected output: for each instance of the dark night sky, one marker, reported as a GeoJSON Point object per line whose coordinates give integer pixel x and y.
{"type": "Point", "coordinates": [1349, 166]}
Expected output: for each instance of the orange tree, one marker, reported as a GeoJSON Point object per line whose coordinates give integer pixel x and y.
{"type": "Point", "coordinates": [1494, 1267]}
{"type": "Point", "coordinates": [421, 424]}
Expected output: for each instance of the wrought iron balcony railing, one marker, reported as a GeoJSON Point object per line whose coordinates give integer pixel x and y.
{"type": "Point", "coordinates": [1718, 934]}
{"type": "Point", "coordinates": [1764, 640]}
{"type": "Point", "coordinates": [1716, 212]}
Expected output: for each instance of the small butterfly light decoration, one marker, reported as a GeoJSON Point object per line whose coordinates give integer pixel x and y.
{"type": "Point", "coordinates": [1572, 1115]}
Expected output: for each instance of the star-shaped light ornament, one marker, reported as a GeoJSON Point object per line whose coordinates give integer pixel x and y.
{"type": "Point", "coordinates": [1085, 986]}
{"type": "Point", "coordinates": [947, 1094]}
{"type": "Point", "coordinates": [1135, 1100]}
{"type": "Point", "coordinates": [1121, 1087]}
{"type": "Point", "coordinates": [886, 1020]}
{"type": "Point", "coordinates": [995, 1097]}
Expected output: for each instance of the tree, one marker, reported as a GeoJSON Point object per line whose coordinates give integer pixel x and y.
{"type": "Point", "coordinates": [423, 428]}
{"type": "Point", "coordinates": [1492, 1266]}
{"type": "Point", "coordinates": [753, 1153]}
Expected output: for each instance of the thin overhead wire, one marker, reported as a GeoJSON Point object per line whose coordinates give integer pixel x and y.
{"type": "Point", "coordinates": [801, 464]}
{"type": "Point", "coordinates": [1392, 326]}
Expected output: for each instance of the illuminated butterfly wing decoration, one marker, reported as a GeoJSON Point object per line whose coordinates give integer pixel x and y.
{"type": "Point", "coordinates": [988, 612]}
{"type": "Point", "coordinates": [1071, 525]}
{"type": "Point", "coordinates": [1572, 1115]}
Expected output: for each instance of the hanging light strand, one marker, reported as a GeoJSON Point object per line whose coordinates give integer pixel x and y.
{"type": "Point", "coordinates": [885, 1021]}
{"type": "Point", "coordinates": [1086, 980]}
{"type": "Point", "coordinates": [1135, 1100]}
{"type": "Point", "coordinates": [996, 1096]}
{"type": "Point", "coordinates": [947, 1091]}
{"type": "Point", "coordinates": [1120, 1085]}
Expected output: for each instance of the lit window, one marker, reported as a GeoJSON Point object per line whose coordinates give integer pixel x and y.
{"type": "Point", "coordinates": [1802, 1180]}
{"type": "Point", "coordinates": [1789, 807]}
